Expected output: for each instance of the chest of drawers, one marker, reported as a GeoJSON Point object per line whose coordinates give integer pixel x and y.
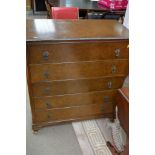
{"type": "Point", "coordinates": [74, 69]}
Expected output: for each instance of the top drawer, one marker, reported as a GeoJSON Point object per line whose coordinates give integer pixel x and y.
{"type": "Point", "coordinates": [72, 52]}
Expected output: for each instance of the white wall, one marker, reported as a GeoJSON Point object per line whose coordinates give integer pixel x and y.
{"type": "Point", "coordinates": [126, 18]}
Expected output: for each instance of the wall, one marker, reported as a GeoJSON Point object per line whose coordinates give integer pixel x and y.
{"type": "Point", "coordinates": [126, 19]}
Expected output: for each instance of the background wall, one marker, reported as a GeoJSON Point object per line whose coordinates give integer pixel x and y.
{"type": "Point", "coordinates": [126, 19]}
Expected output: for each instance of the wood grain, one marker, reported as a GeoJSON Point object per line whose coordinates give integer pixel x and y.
{"type": "Point", "coordinates": [60, 101]}
{"type": "Point", "coordinates": [72, 66]}
{"type": "Point", "coordinates": [73, 112]}
{"type": "Point", "coordinates": [37, 125]}
{"type": "Point", "coordinates": [122, 102]}
{"type": "Point", "coordinates": [70, 30]}
{"type": "Point", "coordinates": [74, 52]}
{"type": "Point", "coordinates": [62, 71]}
{"type": "Point", "coordinates": [76, 86]}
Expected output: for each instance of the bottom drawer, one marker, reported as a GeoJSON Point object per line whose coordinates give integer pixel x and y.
{"type": "Point", "coordinates": [63, 114]}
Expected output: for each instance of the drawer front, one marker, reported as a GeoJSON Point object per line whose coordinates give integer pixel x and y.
{"type": "Point", "coordinates": [45, 103]}
{"type": "Point", "coordinates": [62, 114]}
{"type": "Point", "coordinates": [72, 52]}
{"type": "Point", "coordinates": [49, 72]}
{"type": "Point", "coordinates": [76, 86]}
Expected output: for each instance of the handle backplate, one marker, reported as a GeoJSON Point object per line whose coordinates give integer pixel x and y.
{"type": "Point", "coordinates": [109, 84]}
{"type": "Point", "coordinates": [117, 52]}
{"type": "Point", "coordinates": [45, 55]}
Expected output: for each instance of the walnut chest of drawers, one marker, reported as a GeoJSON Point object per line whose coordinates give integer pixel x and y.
{"type": "Point", "coordinates": [74, 68]}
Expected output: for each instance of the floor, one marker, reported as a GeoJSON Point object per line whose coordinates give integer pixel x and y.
{"type": "Point", "coordinates": [53, 140]}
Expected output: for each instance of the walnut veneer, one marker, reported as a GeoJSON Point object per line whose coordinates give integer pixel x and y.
{"type": "Point", "coordinates": [74, 68]}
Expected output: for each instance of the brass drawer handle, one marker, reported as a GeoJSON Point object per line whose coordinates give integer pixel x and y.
{"type": "Point", "coordinates": [117, 52]}
{"type": "Point", "coordinates": [48, 105]}
{"type": "Point", "coordinates": [47, 90]}
{"type": "Point", "coordinates": [45, 55]}
{"type": "Point", "coordinates": [46, 74]}
{"type": "Point", "coordinates": [113, 69]}
{"type": "Point", "coordinates": [109, 84]}
{"type": "Point", "coordinates": [106, 98]}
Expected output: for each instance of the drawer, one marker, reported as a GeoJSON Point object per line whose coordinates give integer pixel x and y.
{"type": "Point", "coordinates": [62, 71]}
{"type": "Point", "coordinates": [44, 103]}
{"type": "Point", "coordinates": [76, 86]}
{"type": "Point", "coordinates": [76, 112]}
{"type": "Point", "coordinates": [72, 52]}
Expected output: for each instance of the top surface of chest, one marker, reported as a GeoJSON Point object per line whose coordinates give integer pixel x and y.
{"type": "Point", "coordinates": [63, 30]}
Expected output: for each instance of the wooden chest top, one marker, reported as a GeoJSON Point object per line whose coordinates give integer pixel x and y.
{"type": "Point", "coordinates": [60, 30]}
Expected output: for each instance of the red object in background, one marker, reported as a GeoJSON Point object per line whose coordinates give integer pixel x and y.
{"type": "Point", "coordinates": [64, 12]}
{"type": "Point", "coordinates": [114, 4]}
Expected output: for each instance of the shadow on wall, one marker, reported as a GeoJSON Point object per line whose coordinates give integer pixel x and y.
{"type": "Point", "coordinates": [126, 18]}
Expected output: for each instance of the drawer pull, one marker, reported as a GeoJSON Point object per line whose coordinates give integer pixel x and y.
{"type": "Point", "coordinates": [117, 52]}
{"type": "Point", "coordinates": [46, 74]}
{"type": "Point", "coordinates": [45, 55]}
{"type": "Point", "coordinates": [48, 105]}
{"type": "Point", "coordinates": [47, 90]}
{"type": "Point", "coordinates": [106, 98]}
{"type": "Point", "coordinates": [113, 69]}
{"type": "Point", "coordinates": [109, 84]}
